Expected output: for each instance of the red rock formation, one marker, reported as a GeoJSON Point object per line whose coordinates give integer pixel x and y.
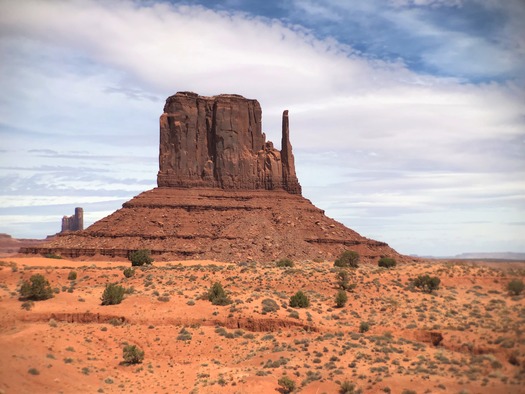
{"type": "Point", "coordinates": [74, 222]}
{"type": "Point", "coordinates": [224, 193]}
{"type": "Point", "coordinates": [218, 142]}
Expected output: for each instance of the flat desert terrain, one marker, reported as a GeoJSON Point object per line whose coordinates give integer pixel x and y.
{"type": "Point", "coordinates": [465, 337]}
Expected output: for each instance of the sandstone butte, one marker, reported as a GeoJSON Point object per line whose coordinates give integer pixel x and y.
{"type": "Point", "coordinates": [224, 193]}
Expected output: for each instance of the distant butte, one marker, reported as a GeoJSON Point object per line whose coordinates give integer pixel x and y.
{"type": "Point", "coordinates": [224, 193]}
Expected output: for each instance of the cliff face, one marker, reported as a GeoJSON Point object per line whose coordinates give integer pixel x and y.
{"type": "Point", "coordinates": [218, 142]}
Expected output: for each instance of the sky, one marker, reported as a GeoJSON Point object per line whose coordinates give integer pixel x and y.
{"type": "Point", "coordinates": [407, 117]}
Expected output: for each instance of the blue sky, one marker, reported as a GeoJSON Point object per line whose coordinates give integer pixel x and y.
{"type": "Point", "coordinates": [407, 116]}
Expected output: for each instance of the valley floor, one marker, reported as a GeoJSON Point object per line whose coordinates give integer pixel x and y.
{"type": "Point", "coordinates": [467, 336]}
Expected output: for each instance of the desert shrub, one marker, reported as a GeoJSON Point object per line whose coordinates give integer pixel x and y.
{"type": "Point", "coordinates": [37, 288]}
{"type": "Point", "coordinates": [27, 305]}
{"type": "Point", "coordinates": [364, 327]}
{"type": "Point", "coordinates": [217, 295]}
{"type": "Point", "coordinates": [427, 283]}
{"type": "Point", "coordinates": [287, 384]}
{"type": "Point", "coordinates": [184, 335]}
{"type": "Point", "coordinates": [269, 305]}
{"type": "Point", "coordinates": [133, 354]}
{"type": "Point", "coordinates": [113, 294]}
{"type": "Point", "coordinates": [52, 256]}
{"type": "Point", "coordinates": [343, 280]}
{"type": "Point", "coordinates": [33, 371]}
{"type": "Point", "coordinates": [128, 272]}
{"type": "Point", "coordinates": [515, 286]}
{"type": "Point", "coordinates": [387, 262]}
{"type": "Point", "coordinates": [299, 300]}
{"type": "Point", "coordinates": [72, 275]}
{"type": "Point", "coordinates": [140, 257]}
{"type": "Point", "coordinates": [348, 258]}
{"type": "Point", "coordinates": [348, 388]}
{"type": "Point", "coordinates": [284, 263]}
{"type": "Point", "coordinates": [341, 298]}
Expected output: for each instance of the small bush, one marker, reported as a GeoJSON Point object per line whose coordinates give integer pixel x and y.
{"type": "Point", "coordinates": [287, 384]}
{"type": "Point", "coordinates": [133, 354]}
{"type": "Point", "coordinates": [299, 300]}
{"type": "Point", "coordinates": [515, 286]}
{"type": "Point", "coordinates": [284, 263]}
{"type": "Point", "coordinates": [37, 288]}
{"type": "Point", "coordinates": [364, 327]}
{"type": "Point", "coordinates": [269, 305]}
{"type": "Point", "coordinates": [184, 335]}
{"type": "Point", "coordinates": [113, 294]}
{"type": "Point", "coordinates": [33, 371]}
{"type": "Point", "coordinates": [343, 280]}
{"type": "Point", "coordinates": [387, 262]}
{"type": "Point", "coordinates": [348, 388]}
{"type": "Point", "coordinates": [348, 258]}
{"type": "Point", "coordinates": [341, 298]}
{"type": "Point", "coordinates": [217, 295]}
{"type": "Point", "coordinates": [27, 305]}
{"type": "Point", "coordinates": [72, 275]}
{"type": "Point", "coordinates": [140, 257]}
{"type": "Point", "coordinates": [128, 272]}
{"type": "Point", "coordinates": [52, 256]}
{"type": "Point", "coordinates": [427, 283]}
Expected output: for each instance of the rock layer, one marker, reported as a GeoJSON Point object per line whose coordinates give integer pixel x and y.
{"type": "Point", "coordinates": [224, 225]}
{"type": "Point", "coordinates": [218, 142]}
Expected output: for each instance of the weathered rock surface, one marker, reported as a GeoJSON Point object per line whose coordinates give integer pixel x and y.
{"type": "Point", "coordinates": [206, 223]}
{"type": "Point", "coordinates": [225, 193]}
{"type": "Point", "coordinates": [218, 142]}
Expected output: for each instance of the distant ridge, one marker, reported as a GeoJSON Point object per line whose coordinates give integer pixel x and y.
{"type": "Point", "coordinates": [492, 255]}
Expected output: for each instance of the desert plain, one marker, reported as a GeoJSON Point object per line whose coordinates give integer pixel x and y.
{"type": "Point", "coordinates": [389, 337]}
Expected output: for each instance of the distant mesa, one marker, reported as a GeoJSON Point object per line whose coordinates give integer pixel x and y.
{"type": "Point", "coordinates": [74, 222]}
{"type": "Point", "coordinates": [224, 193]}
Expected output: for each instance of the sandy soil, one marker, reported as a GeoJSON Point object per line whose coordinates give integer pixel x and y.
{"type": "Point", "coordinates": [71, 343]}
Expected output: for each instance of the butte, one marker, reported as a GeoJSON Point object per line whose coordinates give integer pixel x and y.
{"type": "Point", "coordinates": [224, 193]}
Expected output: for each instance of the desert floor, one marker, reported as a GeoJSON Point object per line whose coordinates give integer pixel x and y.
{"type": "Point", "coordinates": [71, 343]}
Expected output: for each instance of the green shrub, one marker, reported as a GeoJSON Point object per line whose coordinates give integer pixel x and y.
{"type": "Point", "coordinates": [269, 305]}
{"type": "Point", "coordinates": [27, 305]}
{"type": "Point", "coordinates": [133, 354]}
{"type": "Point", "coordinates": [364, 327]}
{"type": "Point", "coordinates": [341, 298]}
{"type": "Point", "coordinates": [515, 286]}
{"type": "Point", "coordinates": [387, 262]}
{"type": "Point", "coordinates": [348, 388]}
{"type": "Point", "coordinates": [299, 300]}
{"type": "Point", "coordinates": [37, 288]}
{"type": "Point", "coordinates": [128, 272]}
{"type": "Point", "coordinates": [287, 384]}
{"type": "Point", "coordinates": [184, 335]}
{"type": "Point", "coordinates": [113, 294]}
{"type": "Point", "coordinates": [427, 283]}
{"type": "Point", "coordinates": [284, 263]}
{"type": "Point", "coordinates": [140, 257]}
{"type": "Point", "coordinates": [348, 258]}
{"type": "Point", "coordinates": [72, 275]}
{"type": "Point", "coordinates": [33, 371]}
{"type": "Point", "coordinates": [52, 256]}
{"type": "Point", "coordinates": [217, 295]}
{"type": "Point", "coordinates": [343, 280]}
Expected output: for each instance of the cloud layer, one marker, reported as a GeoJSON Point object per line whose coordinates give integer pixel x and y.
{"type": "Point", "coordinates": [429, 161]}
